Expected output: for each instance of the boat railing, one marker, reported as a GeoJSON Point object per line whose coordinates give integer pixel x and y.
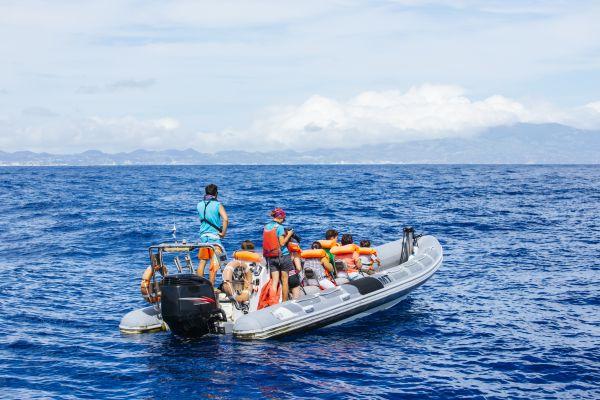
{"type": "Point", "coordinates": [157, 252]}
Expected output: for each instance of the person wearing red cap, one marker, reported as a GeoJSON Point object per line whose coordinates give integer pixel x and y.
{"type": "Point", "coordinates": [276, 253]}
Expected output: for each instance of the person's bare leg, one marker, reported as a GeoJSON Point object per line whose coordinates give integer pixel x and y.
{"type": "Point", "coordinates": [227, 286]}
{"type": "Point", "coordinates": [213, 273]}
{"type": "Point", "coordinates": [274, 282]}
{"type": "Point", "coordinates": [228, 289]}
{"type": "Point", "coordinates": [297, 263]}
{"type": "Point", "coordinates": [214, 264]}
{"type": "Point", "coordinates": [201, 265]}
{"type": "Point", "coordinates": [248, 280]}
{"type": "Point", "coordinates": [247, 286]}
{"type": "Point", "coordinates": [242, 297]}
{"type": "Point", "coordinates": [285, 291]}
{"type": "Point", "coordinates": [245, 294]}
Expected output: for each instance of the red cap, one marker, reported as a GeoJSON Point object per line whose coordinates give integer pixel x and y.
{"type": "Point", "coordinates": [278, 213]}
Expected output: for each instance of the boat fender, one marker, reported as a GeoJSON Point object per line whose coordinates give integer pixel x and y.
{"type": "Point", "coordinates": [367, 251]}
{"type": "Point", "coordinates": [347, 249]}
{"type": "Point", "coordinates": [149, 292]}
{"type": "Point", "coordinates": [313, 253]}
{"type": "Point", "coordinates": [328, 244]}
{"type": "Point", "coordinates": [366, 285]}
{"type": "Point", "coordinates": [244, 255]}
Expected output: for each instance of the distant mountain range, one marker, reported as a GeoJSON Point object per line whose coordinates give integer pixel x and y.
{"type": "Point", "coordinates": [517, 144]}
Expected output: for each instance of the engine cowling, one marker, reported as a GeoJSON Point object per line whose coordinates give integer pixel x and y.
{"type": "Point", "coordinates": [189, 306]}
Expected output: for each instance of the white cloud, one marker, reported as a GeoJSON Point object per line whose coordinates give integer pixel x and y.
{"type": "Point", "coordinates": [167, 124]}
{"type": "Point", "coordinates": [42, 112]}
{"type": "Point", "coordinates": [594, 106]}
{"type": "Point", "coordinates": [422, 112]}
{"type": "Point", "coordinates": [71, 134]}
{"type": "Point", "coordinates": [121, 85]}
{"type": "Point", "coordinates": [132, 124]}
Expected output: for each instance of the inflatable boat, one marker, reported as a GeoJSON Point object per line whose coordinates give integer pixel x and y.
{"type": "Point", "coordinates": [188, 305]}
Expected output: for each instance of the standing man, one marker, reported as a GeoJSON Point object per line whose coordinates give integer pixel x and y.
{"type": "Point", "coordinates": [276, 253]}
{"type": "Point", "coordinates": [213, 227]}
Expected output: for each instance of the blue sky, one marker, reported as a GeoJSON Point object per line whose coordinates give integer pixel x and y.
{"type": "Point", "coordinates": [121, 75]}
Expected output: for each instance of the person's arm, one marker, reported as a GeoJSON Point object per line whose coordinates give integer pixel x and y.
{"type": "Point", "coordinates": [327, 264]}
{"type": "Point", "coordinates": [248, 280]}
{"type": "Point", "coordinates": [234, 263]}
{"type": "Point", "coordinates": [225, 220]}
{"type": "Point", "coordinates": [357, 260]}
{"type": "Point", "coordinates": [283, 239]}
{"type": "Point", "coordinates": [376, 259]}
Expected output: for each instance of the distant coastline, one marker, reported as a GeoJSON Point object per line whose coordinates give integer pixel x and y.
{"type": "Point", "coordinates": [517, 144]}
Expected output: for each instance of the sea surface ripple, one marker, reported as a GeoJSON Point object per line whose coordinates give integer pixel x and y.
{"type": "Point", "coordinates": [513, 312]}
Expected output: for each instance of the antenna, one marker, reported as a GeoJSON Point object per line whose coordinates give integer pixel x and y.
{"type": "Point", "coordinates": [174, 232]}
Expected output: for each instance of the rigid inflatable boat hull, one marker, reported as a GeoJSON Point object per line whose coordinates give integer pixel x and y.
{"type": "Point", "coordinates": [144, 320]}
{"type": "Point", "coordinates": [345, 315]}
{"type": "Point", "coordinates": [346, 302]}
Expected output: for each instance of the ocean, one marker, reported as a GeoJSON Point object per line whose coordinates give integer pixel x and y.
{"type": "Point", "coordinates": [512, 313]}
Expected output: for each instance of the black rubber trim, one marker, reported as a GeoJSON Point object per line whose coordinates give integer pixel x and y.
{"type": "Point", "coordinates": [366, 285]}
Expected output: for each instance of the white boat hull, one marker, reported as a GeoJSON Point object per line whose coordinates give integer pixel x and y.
{"type": "Point", "coordinates": [345, 303]}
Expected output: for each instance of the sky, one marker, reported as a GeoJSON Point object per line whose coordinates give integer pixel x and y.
{"type": "Point", "coordinates": [267, 75]}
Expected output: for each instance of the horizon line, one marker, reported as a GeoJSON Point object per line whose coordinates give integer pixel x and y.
{"type": "Point", "coordinates": [296, 164]}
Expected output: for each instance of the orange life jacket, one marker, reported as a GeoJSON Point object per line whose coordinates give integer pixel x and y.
{"type": "Point", "coordinates": [313, 253]}
{"type": "Point", "coordinates": [294, 247]}
{"type": "Point", "coordinates": [347, 249]}
{"type": "Point", "coordinates": [328, 244]}
{"type": "Point", "coordinates": [244, 255]}
{"type": "Point", "coordinates": [350, 260]}
{"type": "Point", "coordinates": [348, 254]}
{"type": "Point", "coordinates": [271, 247]}
{"type": "Point", "coordinates": [367, 251]}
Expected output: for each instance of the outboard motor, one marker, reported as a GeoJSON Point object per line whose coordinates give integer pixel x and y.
{"type": "Point", "coordinates": [408, 241]}
{"type": "Point", "coordinates": [189, 306]}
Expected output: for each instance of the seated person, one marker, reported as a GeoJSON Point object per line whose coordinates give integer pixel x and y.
{"type": "Point", "coordinates": [237, 276]}
{"type": "Point", "coordinates": [331, 237]}
{"type": "Point", "coordinates": [317, 268]}
{"type": "Point", "coordinates": [368, 257]}
{"type": "Point", "coordinates": [348, 254]}
{"type": "Point", "coordinates": [294, 279]}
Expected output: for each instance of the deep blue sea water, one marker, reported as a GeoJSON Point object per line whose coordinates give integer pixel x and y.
{"type": "Point", "coordinates": [513, 313]}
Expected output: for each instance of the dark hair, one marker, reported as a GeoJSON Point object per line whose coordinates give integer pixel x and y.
{"type": "Point", "coordinates": [316, 245]}
{"type": "Point", "coordinates": [247, 245]}
{"type": "Point", "coordinates": [211, 189]}
{"type": "Point", "coordinates": [347, 239]}
{"type": "Point", "coordinates": [330, 234]}
{"type": "Point", "coordinates": [365, 243]}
